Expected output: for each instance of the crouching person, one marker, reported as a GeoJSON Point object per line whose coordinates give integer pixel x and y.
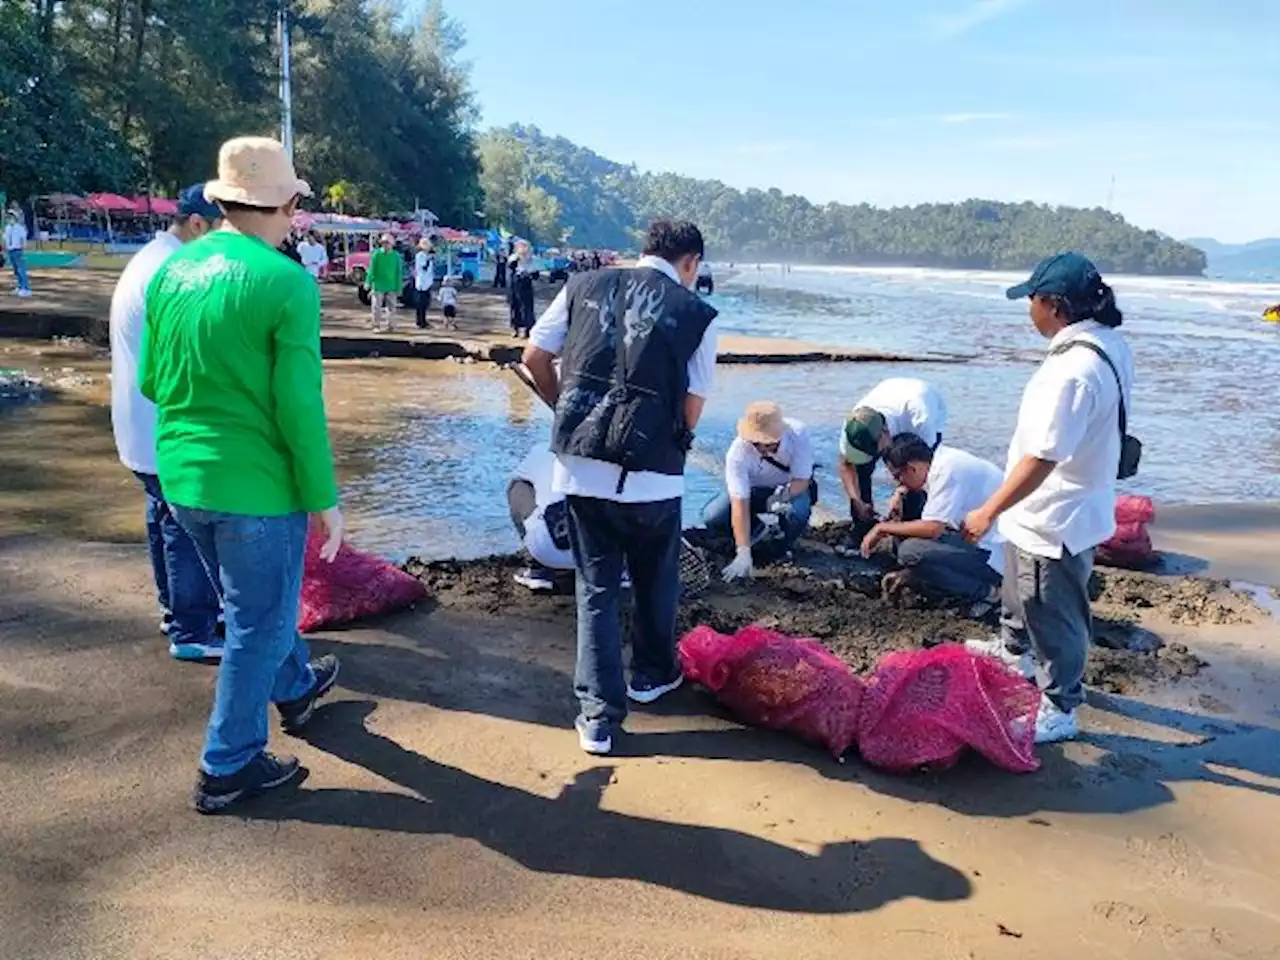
{"type": "Point", "coordinates": [768, 471]}
{"type": "Point", "coordinates": [541, 520]}
{"type": "Point", "coordinates": [935, 557]}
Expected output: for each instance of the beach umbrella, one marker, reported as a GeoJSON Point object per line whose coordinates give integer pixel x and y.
{"type": "Point", "coordinates": [111, 203]}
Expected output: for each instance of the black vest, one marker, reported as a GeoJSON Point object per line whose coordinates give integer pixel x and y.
{"type": "Point", "coordinates": [625, 370]}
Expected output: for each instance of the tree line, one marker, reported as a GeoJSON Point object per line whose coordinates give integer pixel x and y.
{"type": "Point", "coordinates": [129, 95]}
{"type": "Point", "coordinates": [589, 201]}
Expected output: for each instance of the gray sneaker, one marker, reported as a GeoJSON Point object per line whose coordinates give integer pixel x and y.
{"type": "Point", "coordinates": [594, 736]}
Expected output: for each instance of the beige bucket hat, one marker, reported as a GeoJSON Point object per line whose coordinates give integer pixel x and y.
{"type": "Point", "coordinates": [762, 423]}
{"type": "Point", "coordinates": [255, 171]}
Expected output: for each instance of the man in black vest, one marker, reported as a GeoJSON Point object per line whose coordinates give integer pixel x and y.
{"type": "Point", "coordinates": [637, 356]}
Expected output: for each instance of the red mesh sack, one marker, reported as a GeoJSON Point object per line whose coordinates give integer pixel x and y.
{"type": "Point", "coordinates": [1133, 509]}
{"type": "Point", "coordinates": [772, 680]}
{"type": "Point", "coordinates": [354, 586]}
{"type": "Point", "coordinates": [1131, 547]}
{"type": "Point", "coordinates": [924, 707]}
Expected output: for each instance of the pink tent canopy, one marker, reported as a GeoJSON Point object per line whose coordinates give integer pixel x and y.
{"type": "Point", "coordinates": [161, 206]}
{"type": "Point", "coordinates": [111, 203]}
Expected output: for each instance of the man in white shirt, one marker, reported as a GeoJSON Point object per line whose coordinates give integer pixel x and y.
{"type": "Point", "coordinates": [424, 277]}
{"type": "Point", "coordinates": [189, 602]}
{"type": "Point", "coordinates": [894, 406]}
{"type": "Point", "coordinates": [15, 243]}
{"type": "Point", "coordinates": [637, 350]}
{"type": "Point", "coordinates": [1057, 502]}
{"type": "Point", "coordinates": [312, 255]}
{"type": "Point", "coordinates": [768, 470]}
{"type": "Point", "coordinates": [936, 559]}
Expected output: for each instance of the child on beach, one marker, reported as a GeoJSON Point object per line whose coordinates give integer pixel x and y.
{"type": "Point", "coordinates": [449, 302]}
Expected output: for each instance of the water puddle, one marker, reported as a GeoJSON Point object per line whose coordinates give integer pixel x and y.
{"type": "Point", "coordinates": [1264, 596]}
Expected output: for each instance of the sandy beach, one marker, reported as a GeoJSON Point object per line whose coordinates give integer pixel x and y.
{"type": "Point", "coordinates": [449, 812]}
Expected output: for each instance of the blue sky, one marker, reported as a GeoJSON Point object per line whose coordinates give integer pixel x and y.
{"type": "Point", "coordinates": [903, 101]}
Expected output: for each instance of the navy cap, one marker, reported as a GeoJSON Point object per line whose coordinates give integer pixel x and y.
{"type": "Point", "coordinates": [1071, 276]}
{"type": "Point", "coordinates": [191, 200]}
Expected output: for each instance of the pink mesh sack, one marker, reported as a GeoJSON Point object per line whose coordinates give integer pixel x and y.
{"type": "Point", "coordinates": [925, 707]}
{"type": "Point", "coordinates": [356, 585]}
{"type": "Point", "coordinates": [1134, 509]}
{"type": "Point", "coordinates": [772, 680]}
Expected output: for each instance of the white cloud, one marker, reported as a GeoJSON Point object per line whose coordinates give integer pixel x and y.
{"type": "Point", "coordinates": [976, 14]}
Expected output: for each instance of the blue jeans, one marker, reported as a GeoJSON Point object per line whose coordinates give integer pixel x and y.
{"type": "Point", "coordinates": [258, 562]}
{"type": "Point", "coordinates": [18, 259]}
{"type": "Point", "coordinates": [717, 515]}
{"type": "Point", "coordinates": [182, 584]}
{"type": "Point", "coordinates": [646, 537]}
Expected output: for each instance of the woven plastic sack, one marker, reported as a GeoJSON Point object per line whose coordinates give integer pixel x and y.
{"type": "Point", "coordinates": [356, 585]}
{"type": "Point", "coordinates": [1134, 509]}
{"type": "Point", "coordinates": [926, 707]}
{"type": "Point", "coordinates": [771, 680]}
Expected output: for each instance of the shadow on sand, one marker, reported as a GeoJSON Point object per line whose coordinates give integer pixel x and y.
{"type": "Point", "coordinates": [571, 834]}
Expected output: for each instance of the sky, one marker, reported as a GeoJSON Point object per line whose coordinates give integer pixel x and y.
{"type": "Point", "coordinates": [906, 101]}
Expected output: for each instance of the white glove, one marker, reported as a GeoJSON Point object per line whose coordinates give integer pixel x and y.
{"type": "Point", "coordinates": [741, 566]}
{"type": "Point", "coordinates": [334, 528]}
{"type": "Point", "coordinates": [779, 501]}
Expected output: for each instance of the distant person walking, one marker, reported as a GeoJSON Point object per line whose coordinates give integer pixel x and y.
{"type": "Point", "coordinates": [231, 358]}
{"type": "Point", "coordinates": [1057, 502]}
{"type": "Point", "coordinates": [524, 268]}
{"type": "Point", "coordinates": [386, 281]}
{"type": "Point", "coordinates": [424, 277]}
{"type": "Point", "coordinates": [313, 255]}
{"type": "Point", "coordinates": [15, 243]}
{"type": "Point", "coordinates": [637, 356]}
{"type": "Point", "coordinates": [500, 269]}
{"type": "Point", "coordinates": [189, 602]}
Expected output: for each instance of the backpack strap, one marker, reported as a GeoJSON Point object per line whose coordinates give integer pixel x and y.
{"type": "Point", "coordinates": [1090, 345]}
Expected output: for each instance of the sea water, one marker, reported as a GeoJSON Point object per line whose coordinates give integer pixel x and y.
{"type": "Point", "coordinates": [1205, 404]}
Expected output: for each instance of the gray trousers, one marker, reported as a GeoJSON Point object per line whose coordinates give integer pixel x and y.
{"type": "Point", "coordinates": [949, 565]}
{"type": "Point", "coordinates": [1046, 609]}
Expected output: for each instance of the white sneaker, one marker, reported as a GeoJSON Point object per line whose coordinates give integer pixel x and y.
{"type": "Point", "coordinates": [24, 294]}
{"type": "Point", "coordinates": [643, 690]}
{"type": "Point", "coordinates": [1021, 664]}
{"type": "Point", "coordinates": [594, 736]}
{"type": "Point", "coordinates": [1053, 725]}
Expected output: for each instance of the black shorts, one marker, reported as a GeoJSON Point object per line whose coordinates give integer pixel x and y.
{"type": "Point", "coordinates": [450, 310]}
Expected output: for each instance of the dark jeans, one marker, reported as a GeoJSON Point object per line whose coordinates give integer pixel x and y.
{"type": "Point", "coordinates": [717, 515]}
{"type": "Point", "coordinates": [422, 302]}
{"type": "Point", "coordinates": [949, 565]}
{"type": "Point", "coordinates": [500, 274]}
{"type": "Point", "coordinates": [183, 586]}
{"type": "Point", "coordinates": [646, 537]}
{"type": "Point", "coordinates": [1046, 609]}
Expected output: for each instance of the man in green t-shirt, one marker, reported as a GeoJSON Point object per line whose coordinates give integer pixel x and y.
{"type": "Point", "coordinates": [230, 355]}
{"type": "Point", "coordinates": [386, 280]}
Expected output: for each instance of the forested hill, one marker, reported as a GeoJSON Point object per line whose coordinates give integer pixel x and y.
{"type": "Point", "coordinates": [605, 203]}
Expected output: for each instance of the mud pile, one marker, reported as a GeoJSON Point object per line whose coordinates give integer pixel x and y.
{"type": "Point", "coordinates": [836, 600]}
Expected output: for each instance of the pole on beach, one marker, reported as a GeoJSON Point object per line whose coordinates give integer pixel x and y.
{"type": "Point", "coordinates": [286, 82]}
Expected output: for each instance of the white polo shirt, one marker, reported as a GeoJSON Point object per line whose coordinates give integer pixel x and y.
{"type": "Point", "coordinates": [1070, 414]}
{"type": "Point", "coordinates": [959, 482]}
{"type": "Point", "coordinates": [582, 477]}
{"type": "Point", "coordinates": [744, 467]}
{"type": "Point", "coordinates": [15, 235]}
{"type": "Point", "coordinates": [424, 270]}
{"type": "Point", "coordinates": [133, 416]}
{"type": "Point", "coordinates": [909, 406]}
{"type": "Point", "coordinates": [313, 256]}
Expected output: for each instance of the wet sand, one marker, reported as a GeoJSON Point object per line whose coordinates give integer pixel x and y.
{"type": "Point", "coordinates": [448, 812]}
{"type": "Point", "coordinates": [74, 302]}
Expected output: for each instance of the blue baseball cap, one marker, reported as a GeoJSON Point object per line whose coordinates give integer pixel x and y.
{"type": "Point", "coordinates": [191, 200]}
{"type": "Point", "coordinates": [1071, 276]}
